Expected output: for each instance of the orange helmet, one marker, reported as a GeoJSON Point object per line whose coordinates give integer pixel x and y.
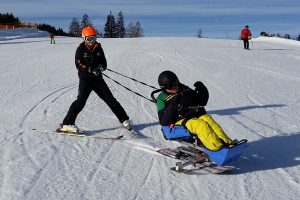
{"type": "Point", "coordinates": [88, 31]}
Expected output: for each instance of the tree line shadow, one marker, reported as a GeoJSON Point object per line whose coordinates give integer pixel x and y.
{"type": "Point", "coordinates": [280, 151]}
{"type": "Point", "coordinates": [237, 111]}
{"type": "Point", "coordinates": [270, 49]}
{"type": "Point", "coordinates": [35, 41]}
{"type": "Point", "coordinates": [19, 42]}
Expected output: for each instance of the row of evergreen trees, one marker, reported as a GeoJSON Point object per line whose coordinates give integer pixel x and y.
{"type": "Point", "coordinates": [113, 28]}
{"type": "Point", "coordinates": [286, 36]}
{"type": "Point", "coordinates": [8, 18]}
{"type": "Point", "coordinates": [52, 29]}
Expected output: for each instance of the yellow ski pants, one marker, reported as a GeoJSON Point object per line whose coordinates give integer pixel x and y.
{"type": "Point", "coordinates": [208, 131]}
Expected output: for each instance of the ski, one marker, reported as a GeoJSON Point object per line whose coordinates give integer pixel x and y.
{"type": "Point", "coordinates": [193, 158]}
{"type": "Point", "coordinates": [81, 134]}
{"type": "Point", "coordinates": [205, 167]}
{"type": "Point", "coordinates": [132, 133]}
{"type": "Point", "coordinates": [181, 153]}
{"type": "Point", "coordinates": [170, 152]}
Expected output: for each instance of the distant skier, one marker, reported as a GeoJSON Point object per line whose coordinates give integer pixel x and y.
{"type": "Point", "coordinates": [246, 36]}
{"type": "Point", "coordinates": [178, 104]}
{"type": "Point", "coordinates": [52, 40]}
{"type": "Point", "coordinates": [91, 62]}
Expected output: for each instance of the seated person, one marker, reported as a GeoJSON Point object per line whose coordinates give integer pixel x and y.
{"type": "Point", "coordinates": [180, 105]}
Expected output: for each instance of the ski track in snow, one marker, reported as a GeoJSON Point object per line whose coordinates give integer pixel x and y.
{"type": "Point", "coordinates": [45, 99]}
{"type": "Point", "coordinates": [253, 94]}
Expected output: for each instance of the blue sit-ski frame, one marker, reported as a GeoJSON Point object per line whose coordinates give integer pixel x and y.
{"type": "Point", "coordinates": [220, 157]}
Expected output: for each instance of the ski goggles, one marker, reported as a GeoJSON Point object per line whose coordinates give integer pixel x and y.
{"type": "Point", "coordinates": [91, 39]}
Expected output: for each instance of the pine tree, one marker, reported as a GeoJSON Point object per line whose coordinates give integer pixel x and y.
{"type": "Point", "coordinates": [120, 26]}
{"type": "Point", "coordinates": [51, 29]}
{"type": "Point", "coordinates": [199, 34]}
{"type": "Point", "coordinates": [130, 30]}
{"type": "Point", "coordinates": [287, 36]}
{"type": "Point", "coordinates": [134, 30]}
{"type": "Point", "coordinates": [298, 38]}
{"type": "Point", "coordinates": [85, 21]}
{"type": "Point", "coordinates": [263, 33]}
{"type": "Point", "coordinates": [8, 18]}
{"type": "Point", "coordinates": [74, 28]}
{"type": "Point", "coordinates": [110, 27]}
{"type": "Point", "coordinates": [139, 29]}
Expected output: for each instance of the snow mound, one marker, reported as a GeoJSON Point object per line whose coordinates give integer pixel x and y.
{"type": "Point", "coordinates": [278, 40]}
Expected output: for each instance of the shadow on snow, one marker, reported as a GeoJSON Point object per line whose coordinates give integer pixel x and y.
{"type": "Point", "coordinates": [237, 111]}
{"type": "Point", "coordinates": [281, 151]}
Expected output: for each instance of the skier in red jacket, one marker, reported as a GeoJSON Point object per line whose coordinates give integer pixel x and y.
{"type": "Point", "coordinates": [246, 36]}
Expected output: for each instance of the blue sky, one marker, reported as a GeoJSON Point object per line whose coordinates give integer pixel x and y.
{"type": "Point", "coordinates": [175, 18]}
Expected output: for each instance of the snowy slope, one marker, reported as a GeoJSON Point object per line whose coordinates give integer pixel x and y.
{"type": "Point", "coordinates": [253, 94]}
{"type": "Point", "coordinates": [11, 34]}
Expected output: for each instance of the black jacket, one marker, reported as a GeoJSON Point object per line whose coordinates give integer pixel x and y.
{"type": "Point", "coordinates": [185, 104]}
{"type": "Point", "coordinates": [86, 58]}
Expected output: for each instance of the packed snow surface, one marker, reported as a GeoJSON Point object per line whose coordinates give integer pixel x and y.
{"type": "Point", "coordinates": [253, 95]}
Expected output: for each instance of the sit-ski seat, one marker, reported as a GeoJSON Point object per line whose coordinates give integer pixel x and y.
{"type": "Point", "coordinates": [176, 133]}
{"type": "Point", "coordinates": [220, 157]}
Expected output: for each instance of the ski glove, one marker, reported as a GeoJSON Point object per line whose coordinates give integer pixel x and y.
{"type": "Point", "coordinates": [89, 69]}
{"type": "Point", "coordinates": [201, 89]}
{"type": "Point", "coordinates": [199, 86]}
{"type": "Point", "coordinates": [92, 70]}
{"type": "Point", "coordinates": [101, 67]}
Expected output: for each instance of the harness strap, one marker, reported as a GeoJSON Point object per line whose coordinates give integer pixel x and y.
{"type": "Point", "coordinates": [183, 123]}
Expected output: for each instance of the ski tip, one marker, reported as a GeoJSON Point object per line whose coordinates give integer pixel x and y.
{"type": "Point", "coordinates": [119, 137]}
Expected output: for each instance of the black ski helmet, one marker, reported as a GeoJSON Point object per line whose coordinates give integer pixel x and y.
{"type": "Point", "coordinates": [167, 79]}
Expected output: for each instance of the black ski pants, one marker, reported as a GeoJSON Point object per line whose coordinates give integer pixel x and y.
{"type": "Point", "coordinates": [102, 90]}
{"type": "Point", "coordinates": [246, 43]}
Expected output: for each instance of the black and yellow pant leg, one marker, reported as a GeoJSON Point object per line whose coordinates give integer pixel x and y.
{"type": "Point", "coordinates": [204, 132]}
{"type": "Point", "coordinates": [216, 128]}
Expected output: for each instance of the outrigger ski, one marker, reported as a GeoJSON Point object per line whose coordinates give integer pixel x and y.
{"type": "Point", "coordinates": [80, 134]}
{"type": "Point", "coordinates": [193, 159]}
{"type": "Point", "coordinates": [206, 167]}
{"type": "Point", "coordinates": [203, 159]}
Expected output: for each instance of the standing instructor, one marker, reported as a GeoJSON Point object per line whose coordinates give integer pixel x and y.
{"type": "Point", "coordinates": [90, 62]}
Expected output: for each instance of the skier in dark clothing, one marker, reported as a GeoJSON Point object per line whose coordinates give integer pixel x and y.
{"type": "Point", "coordinates": [246, 36]}
{"type": "Point", "coordinates": [91, 62]}
{"type": "Point", "coordinates": [52, 40]}
{"type": "Point", "coordinates": [178, 104]}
